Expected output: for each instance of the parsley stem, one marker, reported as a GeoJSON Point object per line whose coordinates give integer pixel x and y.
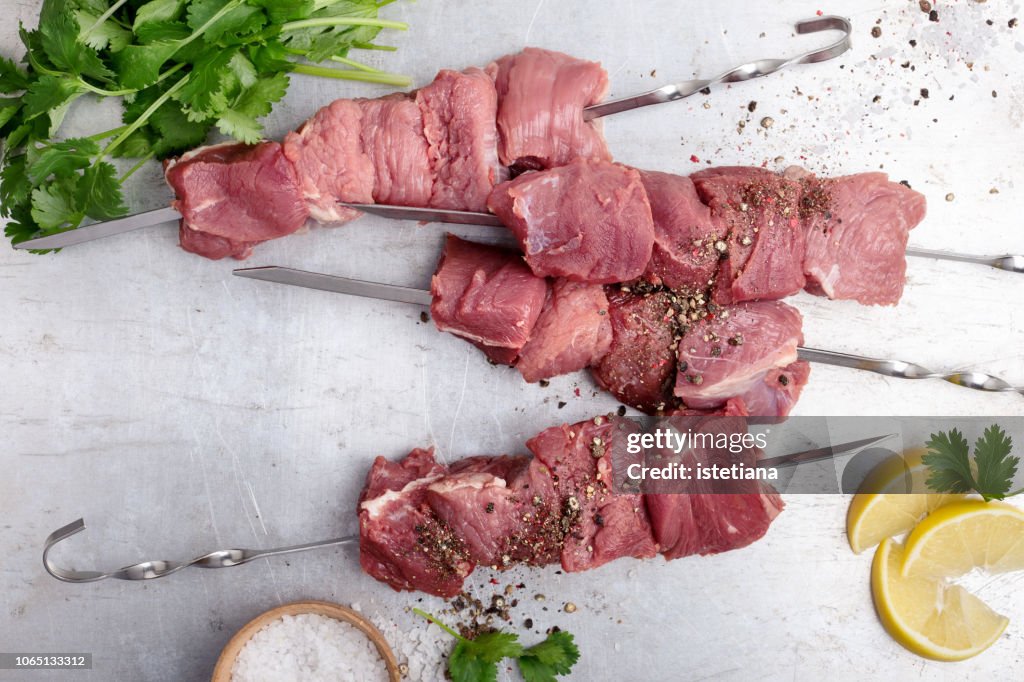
{"type": "Point", "coordinates": [439, 624]}
{"type": "Point", "coordinates": [339, 59]}
{"type": "Point", "coordinates": [141, 120]}
{"type": "Point", "coordinates": [101, 92]}
{"type": "Point", "coordinates": [395, 79]}
{"type": "Point", "coordinates": [102, 18]}
{"type": "Point", "coordinates": [354, 64]}
{"type": "Point", "coordinates": [373, 46]}
{"type": "Point", "coordinates": [343, 21]}
{"type": "Point", "coordinates": [1018, 491]}
{"type": "Point", "coordinates": [106, 133]}
{"type": "Point", "coordinates": [136, 167]}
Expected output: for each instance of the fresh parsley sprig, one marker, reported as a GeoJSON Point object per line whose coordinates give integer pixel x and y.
{"type": "Point", "coordinates": [181, 67]}
{"type": "Point", "coordinates": [476, 660]}
{"type": "Point", "coordinates": [990, 473]}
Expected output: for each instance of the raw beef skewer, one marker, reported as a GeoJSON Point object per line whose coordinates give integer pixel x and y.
{"type": "Point", "coordinates": [425, 525]}
{"type": "Point", "coordinates": [492, 300]}
{"type": "Point", "coordinates": [435, 147]}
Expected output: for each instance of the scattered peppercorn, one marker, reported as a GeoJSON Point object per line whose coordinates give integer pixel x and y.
{"type": "Point", "coordinates": [876, 32]}
{"type": "Point", "coordinates": [544, 383]}
{"type": "Point", "coordinates": [933, 16]}
{"type": "Point", "coordinates": [1012, 23]}
{"type": "Point", "coordinates": [950, 196]}
{"type": "Point", "coordinates": [424, 318]}
{"type": "Point", "coordinates": [924, 93]}
{"type": "Point", "coordinates": [570, 607]}
{"type": "Point", "coordinates": [767, 122]}
{"type": "Point", "coordinates": [925, 6]}
{"type": "Point", "coordinates": [751, 106]}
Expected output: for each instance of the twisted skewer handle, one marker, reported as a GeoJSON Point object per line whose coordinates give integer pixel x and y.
{"type": "Point", "coordinates": [148, 570]}
{"type": "Point", "coordinates": [744, 72]}
{"type": "Point", "coordinates": [979, 381]}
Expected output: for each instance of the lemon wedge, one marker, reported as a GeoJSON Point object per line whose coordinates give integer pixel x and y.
{"type": "Point", "coordinates": [890, 502]}
{"type": "Point", "coordinates": [966, 535]}
{"type": "Point", "coordinates": [928, 616]}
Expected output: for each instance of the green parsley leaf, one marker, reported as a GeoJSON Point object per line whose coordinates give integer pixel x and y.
{"type": "Point", "coordinates": [282, 11]}
{"type": "Point", "coordinates": [9, 108]}
{"type": "Point", "coordinates": [240, 126]}
{"type": "Point", "coordinates": [258, 100]}
{"type": "Point", "coordinates": [533, 670]}
{"type": "Point", "coordinates": [204, 95]}
{"type": "Point", "coordinates": [99, 192]}
{"type": "Point", "coordinates": [62, 159]}
{"type": "Point", "coordinates": [222, 18]}
{"type": "Point", "coordinates": [12, 78]}
{"type": "Point", "coordinates": [14, 183]}
{"type": "Point", "coordinates": [49, 92]}
{"type": "Point", "coordinates": [948, 463]}
{"type": "Point", "coordinates": [21, 227]}
{"type": "Point", "coordinates": [53, 205]}
{"type": "Point", "coordinates": [558, 652]}
{"type": "Point", "coordinates": [465, 665]}
{"type": "Point", "coordinates": [100, 35]}
{"type": "Point", "coordinates": [496, 645]}
{"type": "Point", "coordinates": [59, 31]}
{"type": "Point", "coordinates": [156, 12]}
{"type": "Point", "coordinates": [996, 468]}
{"type": "Point", "coordinates": [139, 65]}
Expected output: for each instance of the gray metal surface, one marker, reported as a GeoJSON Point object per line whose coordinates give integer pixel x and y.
{"type": "Point", "coordinates": [179, 408]}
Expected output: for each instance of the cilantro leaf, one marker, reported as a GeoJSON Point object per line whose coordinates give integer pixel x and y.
{"type": "Point", "coordinates": [9, 108]}
{"type": "Point", "coordinates": [175, 132]}
{"type": "Point", "coordinates": [496, 645]}
{"type": "Point", "coordinates": [99, 192]}
{"type": "Point", "coordinates": [49, 92]}
{"type": "Point", "coordinates": [948, 463]}
{"type": "Point", "coordinates": [59, 38]}
{"type": "Point", "coordinates": [282, 11]}
{"type": "Point", "coordinates": [53, 205]}
{"type": "Point", "coordinates": [62, 159]}
{"type": "Point", "coordinates": [559, 652]}
{"type": "Point", "coordinates": [242, 19]}
{"type": "Point", "coordinates": [240, 126]}
{"type": "Point", "coordinates": [14, 184]}
{"type": "Point", "coordinates": [157, 11]}
{"type": "Point", "coordinates": [12, 78]}
{"type": "Point", "coordinates": [100, 35]}
{"type": "Point", "coordinates": [533, 670]}
{"type": "Point", "coordinates": [996, 468]}
{"type": "Point", "coordinates": [21, 227]}
{"type": "Point", "coordinates": [465, 665]}
{"type": "Point", "coordinates": [258, 100]}
{"type": "Point", "coordinates": [204, 95]}
{"type": "Point", "coordinates": [139, 65]}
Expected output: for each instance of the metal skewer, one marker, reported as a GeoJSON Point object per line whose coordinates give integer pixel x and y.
{"type": "Point", "coordinates": [389, 292]}
{"type": "Point", "coordinates": [744, 72]}
{"type": "Point", "coordinates": [225, 558]}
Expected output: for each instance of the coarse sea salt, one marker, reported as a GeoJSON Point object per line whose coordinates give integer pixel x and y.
{"type": "Point", "coordinates": [308, 648]}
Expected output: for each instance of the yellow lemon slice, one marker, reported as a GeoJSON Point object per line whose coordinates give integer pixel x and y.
{"type": "Point", "coordinates": [966, 535]}
{"type": "Point", "coordinates": [888, 504]}
{"type": "Point", "coordinates": [928, 616]}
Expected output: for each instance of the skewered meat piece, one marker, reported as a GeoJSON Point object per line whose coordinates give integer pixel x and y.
{"type": "Point", "coordinates": [424, 526]}
{"type": "Point", "coordinates": [588, 221]}
{"type": "Point", "coordinates": [541, 97]}
{"type": "Point", "coordinates": [488, 296]}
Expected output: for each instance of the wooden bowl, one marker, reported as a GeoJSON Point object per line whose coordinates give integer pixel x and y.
{"type": "Point", "coordinates": [222, 671]}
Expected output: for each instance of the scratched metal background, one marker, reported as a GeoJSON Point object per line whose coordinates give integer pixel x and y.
{"type": "Point", "coordinates": [179, 409]}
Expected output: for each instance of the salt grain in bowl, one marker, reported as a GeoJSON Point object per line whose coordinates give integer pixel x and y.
{"type": "Point", "coordinates": [308, 648]}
